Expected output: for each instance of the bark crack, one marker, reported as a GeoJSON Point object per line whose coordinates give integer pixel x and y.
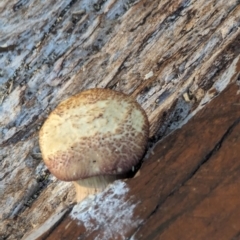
{"type": "Point", "coordinates": [215, 149]}
{"type": "Point", "coordinates": [176, 188]}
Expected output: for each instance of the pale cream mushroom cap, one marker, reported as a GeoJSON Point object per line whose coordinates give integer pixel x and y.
{"type": "Point", "coordinates": [96, 132]}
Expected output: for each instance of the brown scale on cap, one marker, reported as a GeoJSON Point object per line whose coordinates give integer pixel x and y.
{"type": "Point", "coordinates": [94, 134]}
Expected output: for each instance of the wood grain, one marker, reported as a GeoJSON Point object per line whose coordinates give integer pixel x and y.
{"type": "Point", "coordinates": [174, 57]}
{"type": "Point", "coordinates": [188, 187]}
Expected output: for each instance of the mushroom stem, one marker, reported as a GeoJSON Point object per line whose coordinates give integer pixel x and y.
{"type": "Point", "coordinates": [92, 185]}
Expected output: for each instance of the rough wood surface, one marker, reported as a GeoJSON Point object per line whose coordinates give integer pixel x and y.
{"type": "Point", "coordinates": [174, 57]}
{"type": "Point", "coordinates": [188, 187]}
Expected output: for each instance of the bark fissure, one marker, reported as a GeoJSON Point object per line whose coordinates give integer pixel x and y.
{"type": "Point", "coordinates": [165, 225]}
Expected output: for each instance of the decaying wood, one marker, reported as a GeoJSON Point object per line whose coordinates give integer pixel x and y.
{"type": "Point", "coordinates": [174, 57]}
{"type": "Point", "coordinates": [188, 186]}
{"type": "Point", "coordinates": [187, 189]}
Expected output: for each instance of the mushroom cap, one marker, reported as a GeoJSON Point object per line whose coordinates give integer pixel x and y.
{"type": "Point", "coordinates": [96, 132]}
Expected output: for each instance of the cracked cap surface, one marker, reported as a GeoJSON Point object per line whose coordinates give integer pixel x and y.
{"type": "Point", "coordinates": [96, 132]}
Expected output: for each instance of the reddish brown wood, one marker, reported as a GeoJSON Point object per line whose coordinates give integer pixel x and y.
{"type": "Point", "coordinates": [189, 186]}
{"type": "Point", "coordinates": [169, 55]}
{"type": "Point", "coordinates": [207, 205]}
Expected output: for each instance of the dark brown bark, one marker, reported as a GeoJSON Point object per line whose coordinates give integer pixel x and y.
{"type": "Point", "coordinates": [174, 57]}
{"type": "Point", "coordinates": [187, 188]}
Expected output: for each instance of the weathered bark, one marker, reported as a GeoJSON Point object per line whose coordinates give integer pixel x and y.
{"type": "Point", "coordinates": [172, 56]}
{"type": "Point", "coordinates": [188, 187]}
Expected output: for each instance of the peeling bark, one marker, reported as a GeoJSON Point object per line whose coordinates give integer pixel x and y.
{"type": "Point", "coordinates": [187, 188]}
{"type": "Point", "coordinates": [174, 57]}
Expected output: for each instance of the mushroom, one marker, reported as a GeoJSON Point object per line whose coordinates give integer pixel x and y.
{"type": "Point", "coordinates": [94, 138]}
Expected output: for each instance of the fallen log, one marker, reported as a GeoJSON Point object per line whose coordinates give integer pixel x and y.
{"type": "Point", "coordinates": [174, 57]}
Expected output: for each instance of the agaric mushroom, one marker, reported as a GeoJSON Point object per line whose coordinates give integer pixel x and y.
{"type": "Point", "coordinates": [93, 138]}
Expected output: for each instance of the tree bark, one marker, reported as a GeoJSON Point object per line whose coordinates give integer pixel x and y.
{"type": "Point", "coordinates": [187, 187]}
{"type": "Point", "coordinates": [174, 57]}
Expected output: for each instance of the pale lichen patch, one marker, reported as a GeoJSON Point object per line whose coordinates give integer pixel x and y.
{"type": "Point", "coordinates": [115, 216]}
